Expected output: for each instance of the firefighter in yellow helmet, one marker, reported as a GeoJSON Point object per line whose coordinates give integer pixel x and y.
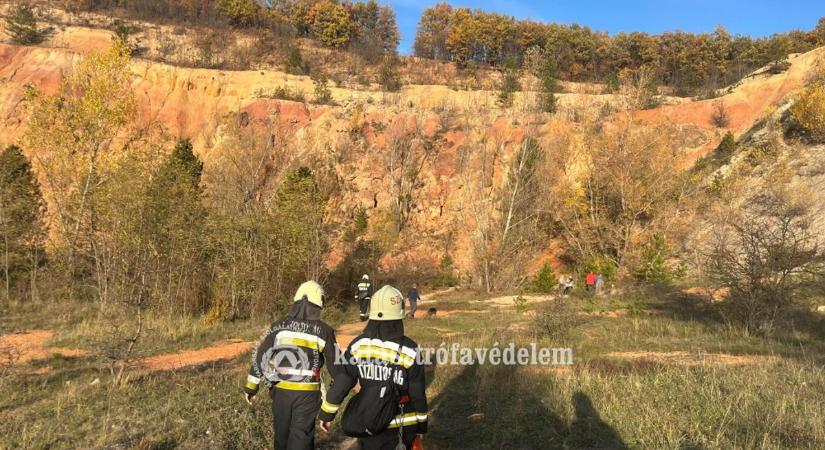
{"type": "Point", "coordinates": [391, 407]}
{"type": "Point", "coordinates": [289, 361]}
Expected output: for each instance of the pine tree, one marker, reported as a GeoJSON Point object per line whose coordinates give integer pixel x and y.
{"type": "Point", "coordinates": [545, 281]}
{"type": "Point", "coordinates": [22, 229]}
{"type": "Point", "coordinates": [175, 217]}
{"type": "Point", "coordinates": [509, 85]}
{"type": "Point", "coordinates": [547, 73]}
{"type": "Point", "coordinates": [388, 74]}
{"type": "Point", "coordinates": [299, 216]}
{"type": "Point", "coordinates": [173, 198]}
{"type": "Point", "coordinates": [21, 25]}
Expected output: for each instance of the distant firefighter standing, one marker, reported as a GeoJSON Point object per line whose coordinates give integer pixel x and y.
{"type": "Point", "coordinates": [363, 296]}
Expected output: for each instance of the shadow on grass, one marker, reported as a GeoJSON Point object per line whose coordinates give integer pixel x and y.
{"type": "Point", "coordinates": [588, 430]}
{"type": "Point", "coordinates": [504, 407]}
{"type": "Point", "coordinates": [796, 333]}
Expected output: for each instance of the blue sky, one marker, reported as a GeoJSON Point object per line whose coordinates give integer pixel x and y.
{"type": "Point", "coordinates": [754, 17]}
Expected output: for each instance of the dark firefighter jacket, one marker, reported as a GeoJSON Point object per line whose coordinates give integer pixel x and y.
{"type": "Point", "coordinates": [293, 352]}
{"type": "Point", "coordinates": [364, 290]}
{"type": "Point", "coordinates": [371, 354]}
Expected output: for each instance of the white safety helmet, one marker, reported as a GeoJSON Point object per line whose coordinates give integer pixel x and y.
{"type": "Point", "coordinates": [313, 292]}
{"type": "Point", "coordinates": [387, 304]}
{"type": "Point", "coordinates": [365, 277]}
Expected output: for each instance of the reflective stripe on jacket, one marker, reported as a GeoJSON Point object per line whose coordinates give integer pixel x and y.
{"type": "Point", "coordinates": [291, 356]}
{"type": "Point", "coordinates": [365, 362]}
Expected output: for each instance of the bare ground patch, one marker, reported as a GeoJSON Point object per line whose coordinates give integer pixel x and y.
{"type": "Point", "coordinates": [510, 300]}
{"type": "Point", "coordinates": [220, 351]}
{"type": "Point", "coordinates": [28, 346]}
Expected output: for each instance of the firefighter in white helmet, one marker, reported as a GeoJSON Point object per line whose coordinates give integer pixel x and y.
{"type": "Point", "coordinates": [391, 407]}
{"type": "Point", "coordinates": [363, 296]}
{"type": "Point", "coordinates": [289, 360]}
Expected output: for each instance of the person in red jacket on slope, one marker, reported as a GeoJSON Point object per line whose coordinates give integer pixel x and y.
{"type": "Point", "coordinates": [590, 281]}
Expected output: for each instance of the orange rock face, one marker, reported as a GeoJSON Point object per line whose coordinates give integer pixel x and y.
{"type": "Point", "coordinates": [353, 134]}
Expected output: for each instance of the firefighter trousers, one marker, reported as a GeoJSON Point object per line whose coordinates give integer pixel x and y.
{"type": "Point", "coordinates": [294, 414]}
{"type": "Point", "coordinates": [364, 303]}
{"type": "Point", "coordinates": [386, 440]}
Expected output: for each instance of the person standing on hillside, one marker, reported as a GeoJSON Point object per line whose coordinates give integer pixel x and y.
{"type": "Point", "coordinates": [363, 296]}
{"type": "Point", "coordinates": [288, 360]}
{"type": "Point", "coordinates": [413, 296]}
{"type": "Point", "coordinates": [599, 283]}
{"type": "Point", "coordinates": [590, 281]}
{"type": "Point", "coordinates": [567, 285]}
{"type": "Point", "coordinates": [391, 407]}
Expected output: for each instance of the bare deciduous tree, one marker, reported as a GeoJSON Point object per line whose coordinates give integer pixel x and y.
{"type": "Point", "coordinates": [769, 257]}
{"type": "Point", "coordinates": [407, 151]}
{"type": "Point", "coordinates": [502, 215]}
{"type": "Point", "coordinates": [615, 187]}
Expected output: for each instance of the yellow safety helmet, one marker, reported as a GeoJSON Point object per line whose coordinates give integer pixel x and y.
{"type": "Point", "coordinates": [313, 292]}
{"type": "Point", "coordinates": [387, 304]}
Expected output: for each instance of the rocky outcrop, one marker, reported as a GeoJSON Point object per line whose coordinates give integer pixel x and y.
{"type": "Point", "coordinates": [192, 102]}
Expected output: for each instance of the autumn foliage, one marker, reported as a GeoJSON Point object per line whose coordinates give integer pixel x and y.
{"type": "Point", "coordinates": [809, 110]}
{"type": "Point", "coordinates": [688, 62]}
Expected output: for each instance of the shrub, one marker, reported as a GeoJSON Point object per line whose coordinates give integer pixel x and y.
{"type": "Point", "coordinates": [288, 93]}
{"type": "Point", "coordinates": [545, 281]}
{"type": "Point", "coordinates": [612, 84]}
{"type": "Point", "coordinates": [122, 31]}
{"type": "Point", "coordinates": [655, 265]}
{"type": "Point", "coordinates": [768, 258]}
{"type": "Point", "coordinates": [323, 95]}
{"type": "Point", "coordinates": [21, 25]}
{"type": "Point", "coordinates": [238, 12]}
{"type": "Point", "coordinates": [446, 273]}
{"type": "Point", "coordinates": [728, 145]}
{"type": "Point", "coordinates": [295, 64]}
{"type": "Point", "coordinates": [809, 110]}
{"type": "Point", "coordinates": [640, 87]}
{"type": "Point", "coordinates": [206, 50]}
{"type": "Point", "coordinates": [720, 117]}
{"type": "Point", "coordinates": [388, 74]}
{"type": "Point", "coordinates": [779, 66]}
{"type": "Point", "coordinates": [332, 24]}
{"type": "Point", "coordinates": [361, 221]}
{"type": "Point", "coordinates": [558, 321]}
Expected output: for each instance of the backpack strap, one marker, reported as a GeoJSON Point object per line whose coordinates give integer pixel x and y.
{"type": "Point", "coordinates": [403, 399]}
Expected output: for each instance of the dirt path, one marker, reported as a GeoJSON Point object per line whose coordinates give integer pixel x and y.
{"type": "Point", "coordinates": [226, 350]}
{"type": "Point", "coordinates": [28, 346]}
{"type": "Point", "coordinates": [220, 351]}
{"type": "Point", "coordinates": [697, 359]}
{"type": "Point", "coordinates": [31, 345]}
{"type": "Point", "coordinates": [349, 331]}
